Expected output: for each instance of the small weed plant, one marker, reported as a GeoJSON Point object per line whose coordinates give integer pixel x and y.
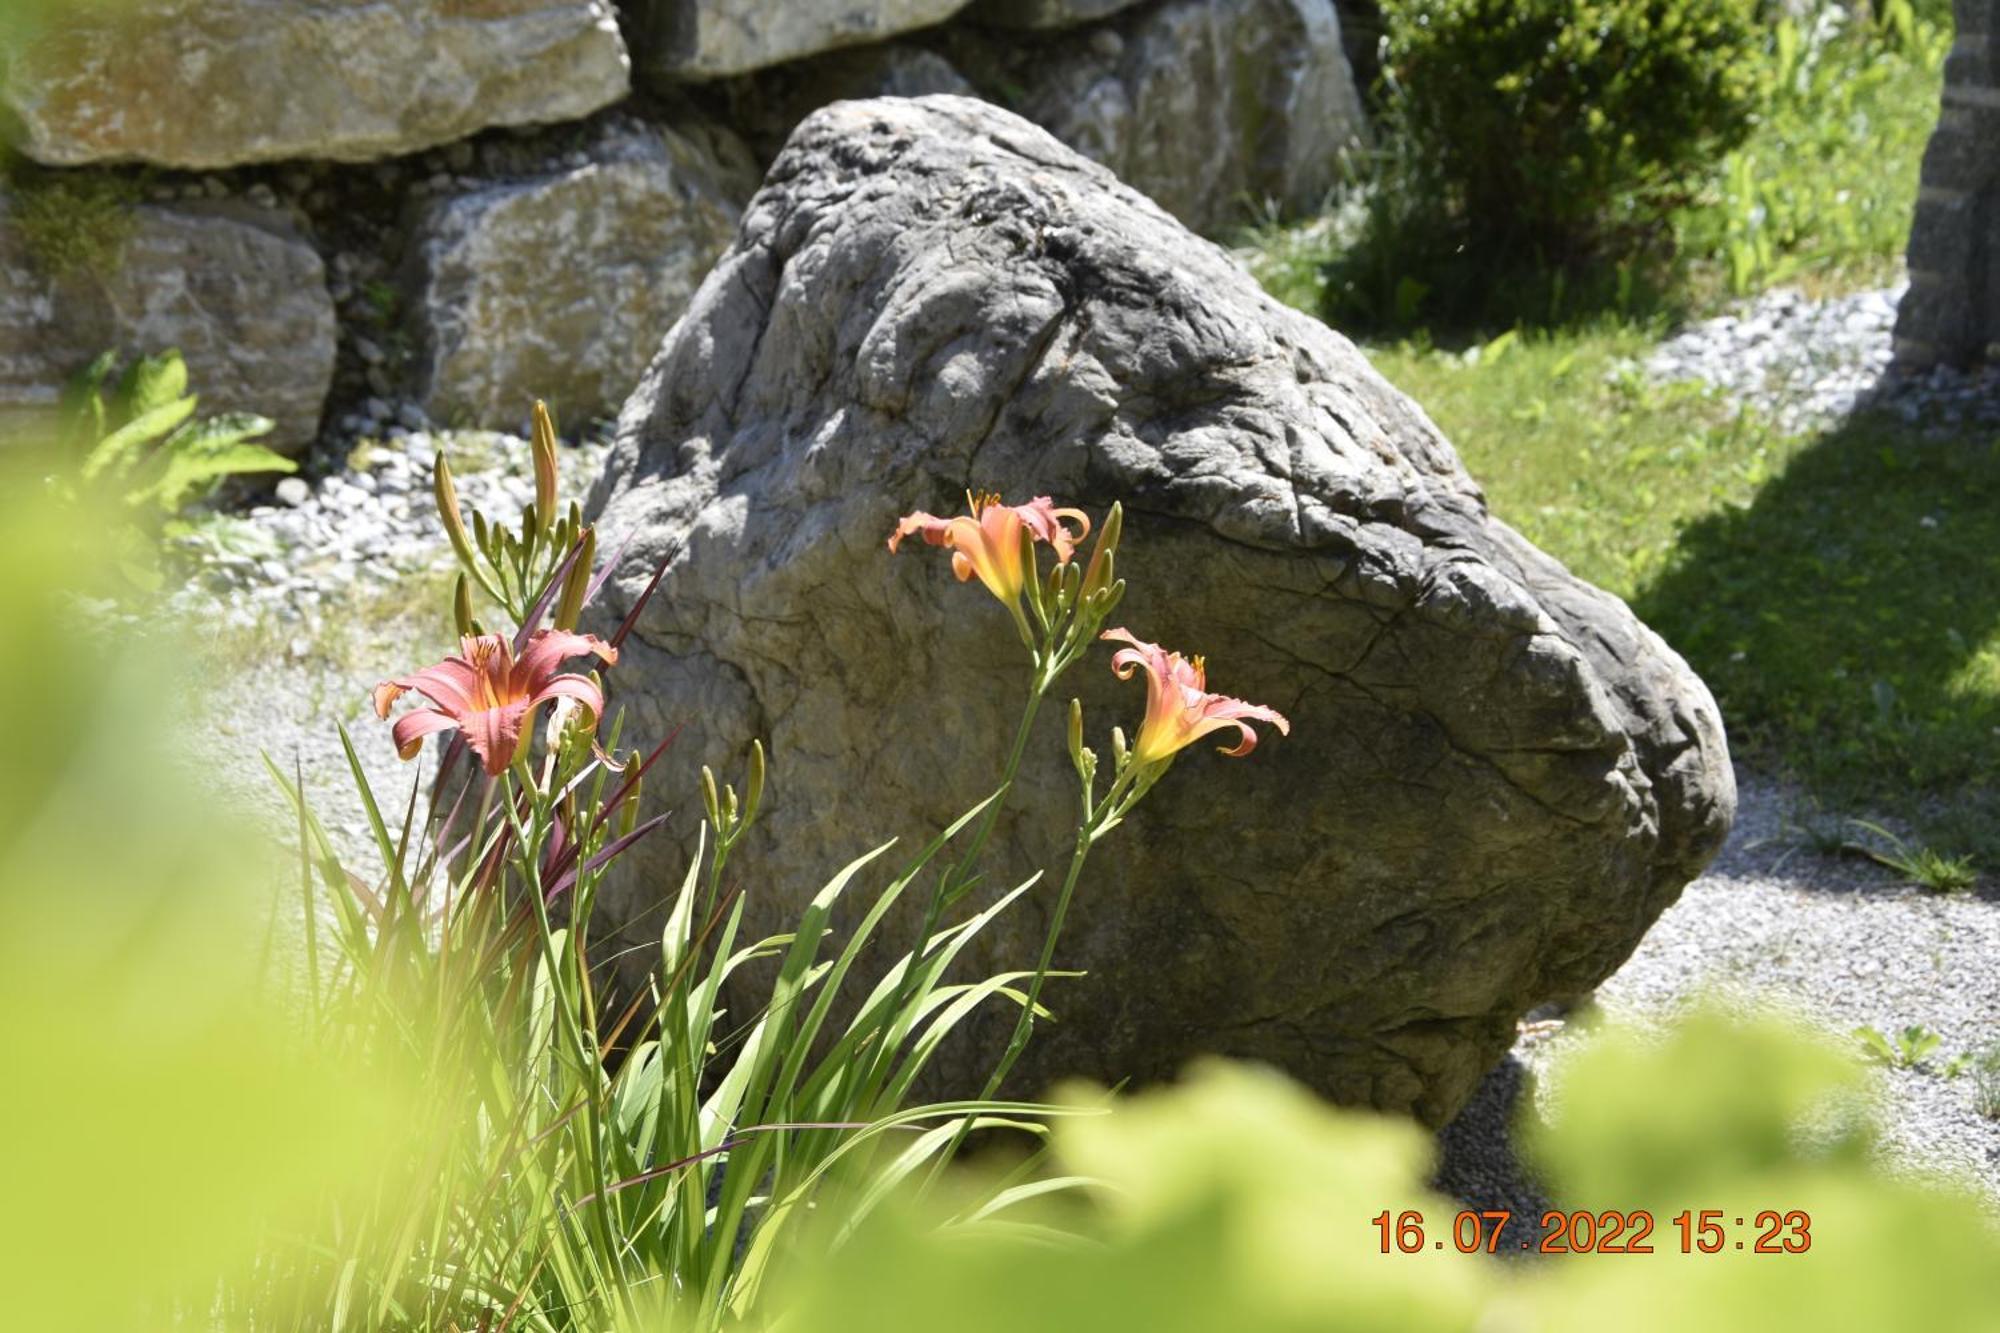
{"type": "Point", "coordinates": [1923, 866]}
{"type": "Point", "coordinates": [1985, 1070]}
{"type": "Point", "coordinates": [1907, 1049]}
{"type": "Point", "coordinates": [134, 446]}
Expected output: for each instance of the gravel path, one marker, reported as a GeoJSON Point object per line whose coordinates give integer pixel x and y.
{"type": "Point", "coordinates": [1837, 942]}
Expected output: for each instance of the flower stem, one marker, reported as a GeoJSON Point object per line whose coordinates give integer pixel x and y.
{"type": "Point", "coordinates": [949, 885]}
{"type": "Point", "coordinates": [574, 1019]}
{"type": "Point", "coordinates": [1024, 1026]}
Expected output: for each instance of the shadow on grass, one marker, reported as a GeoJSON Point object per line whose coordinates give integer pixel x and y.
{"type": "Point", "coordinates": [1394, 282]}
{"type": "Point", "coordinates": [1848, 621]}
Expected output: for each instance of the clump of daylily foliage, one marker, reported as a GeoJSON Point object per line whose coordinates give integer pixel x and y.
{"type": "Point", "coordinates": [590, 1162]}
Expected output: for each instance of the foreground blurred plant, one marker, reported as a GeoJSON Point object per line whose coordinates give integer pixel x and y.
{"type": "Point", "coordinates": [591, 1161]}
{"type": "Point", "coordinates": [159, 1107]}
{"type": "Point", "coordinates": [1237, 1200]}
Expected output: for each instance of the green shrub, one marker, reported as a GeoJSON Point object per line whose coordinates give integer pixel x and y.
{"type": "Point", "coordinates": [1535, 151]}
{"type": "Point", "coordinates": [1572, 126]}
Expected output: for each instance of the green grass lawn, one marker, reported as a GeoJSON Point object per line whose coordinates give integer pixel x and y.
{"type": "Point", "coordinates": [1839, 592]}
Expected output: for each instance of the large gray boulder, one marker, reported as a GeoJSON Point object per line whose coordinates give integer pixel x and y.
{"type": "Point", "coordinates": [216, 83]}
{"type": "Point", "coordinates": [1212, 107]}
{"type": "Point", "coordinates": [236, 289]}
{"type": "Point", "coordinates": [561, 286]}
{"type": "Point", "coordinates": [690, 40]}
{"type": "Point", "coordinates": [1496, 777]}
{"type": "Point", "coordinates": [1951, 312]}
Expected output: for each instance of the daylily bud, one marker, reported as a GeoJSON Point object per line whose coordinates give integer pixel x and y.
{"type": "Point", "coordinates": [708, 797]}
{"type": "Point", "coordinates": [530, 528]}
{"type": "Point", "coordinates": [1103, 571]}
{"type": "Point", "coordinates": [1076, 731]}
{"type": "Point", "coordinates": [570, 605]}
{"type": "Point", "coordinates": [446, 496]}
{"type": "Point", "coordinates": [461, 606]}
{"type": "Point", "coordinates": [729, 805]}
{"type": "Point", "coordinates": [1032, 584]}
{"type": "Point", "coordinates": [755, 793]}
{"type": "Point", "coordinates": [544, 448]}
{"type": "Point", "coordinates": [483, 535]}
{"type": "Point", "coordinates": [1118, 752]}
{"type": "Point", "coordinates": [1099, 575]}
{"type": "Point", "coordinates": [1054, 597]}
{"type": "Point", "coordinates": [628, 817]}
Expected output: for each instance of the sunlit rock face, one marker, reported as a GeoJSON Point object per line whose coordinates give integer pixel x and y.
{"type": "Point", "coordinates": [560, 286]}
{"type": "Point", "coordinates": [217, 83]}
{"type": "Point", "coordinates": [1215, 108]}
{"type": "Point", "coordinates": [690, 40]}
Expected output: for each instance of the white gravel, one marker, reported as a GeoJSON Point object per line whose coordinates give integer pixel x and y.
{"type": "Point", "coordinates": [1803, 362]}
{"type": "Point", "coordinates": [358, 534]}
{"type": "Point", "coordinates": [1807, 364]}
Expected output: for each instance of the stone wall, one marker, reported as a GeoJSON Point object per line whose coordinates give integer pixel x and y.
{"type": "Point", "coordinates": [1951, 313]}
{"type": "Point", "coordinates": [425, 207]}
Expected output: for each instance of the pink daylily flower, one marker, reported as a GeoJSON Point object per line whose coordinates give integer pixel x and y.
{"type": "Point", "coordinates": [1179, 708]}
{"type": "Point", "coordinates": [987, 542]}
{"type": "Point", "coordinates": [490, 696]}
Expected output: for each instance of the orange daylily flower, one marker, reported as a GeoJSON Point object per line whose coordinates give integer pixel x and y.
{"type": "Point", "coordinates": [490, 696]}
{"type": "Point", "coordinates": [987, 542]}
{"type": "Point", "coordinates": [1179, 708]}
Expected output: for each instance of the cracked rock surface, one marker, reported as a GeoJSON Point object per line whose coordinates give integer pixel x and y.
{"type": "Point", "coordinates": [1497, 777]}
